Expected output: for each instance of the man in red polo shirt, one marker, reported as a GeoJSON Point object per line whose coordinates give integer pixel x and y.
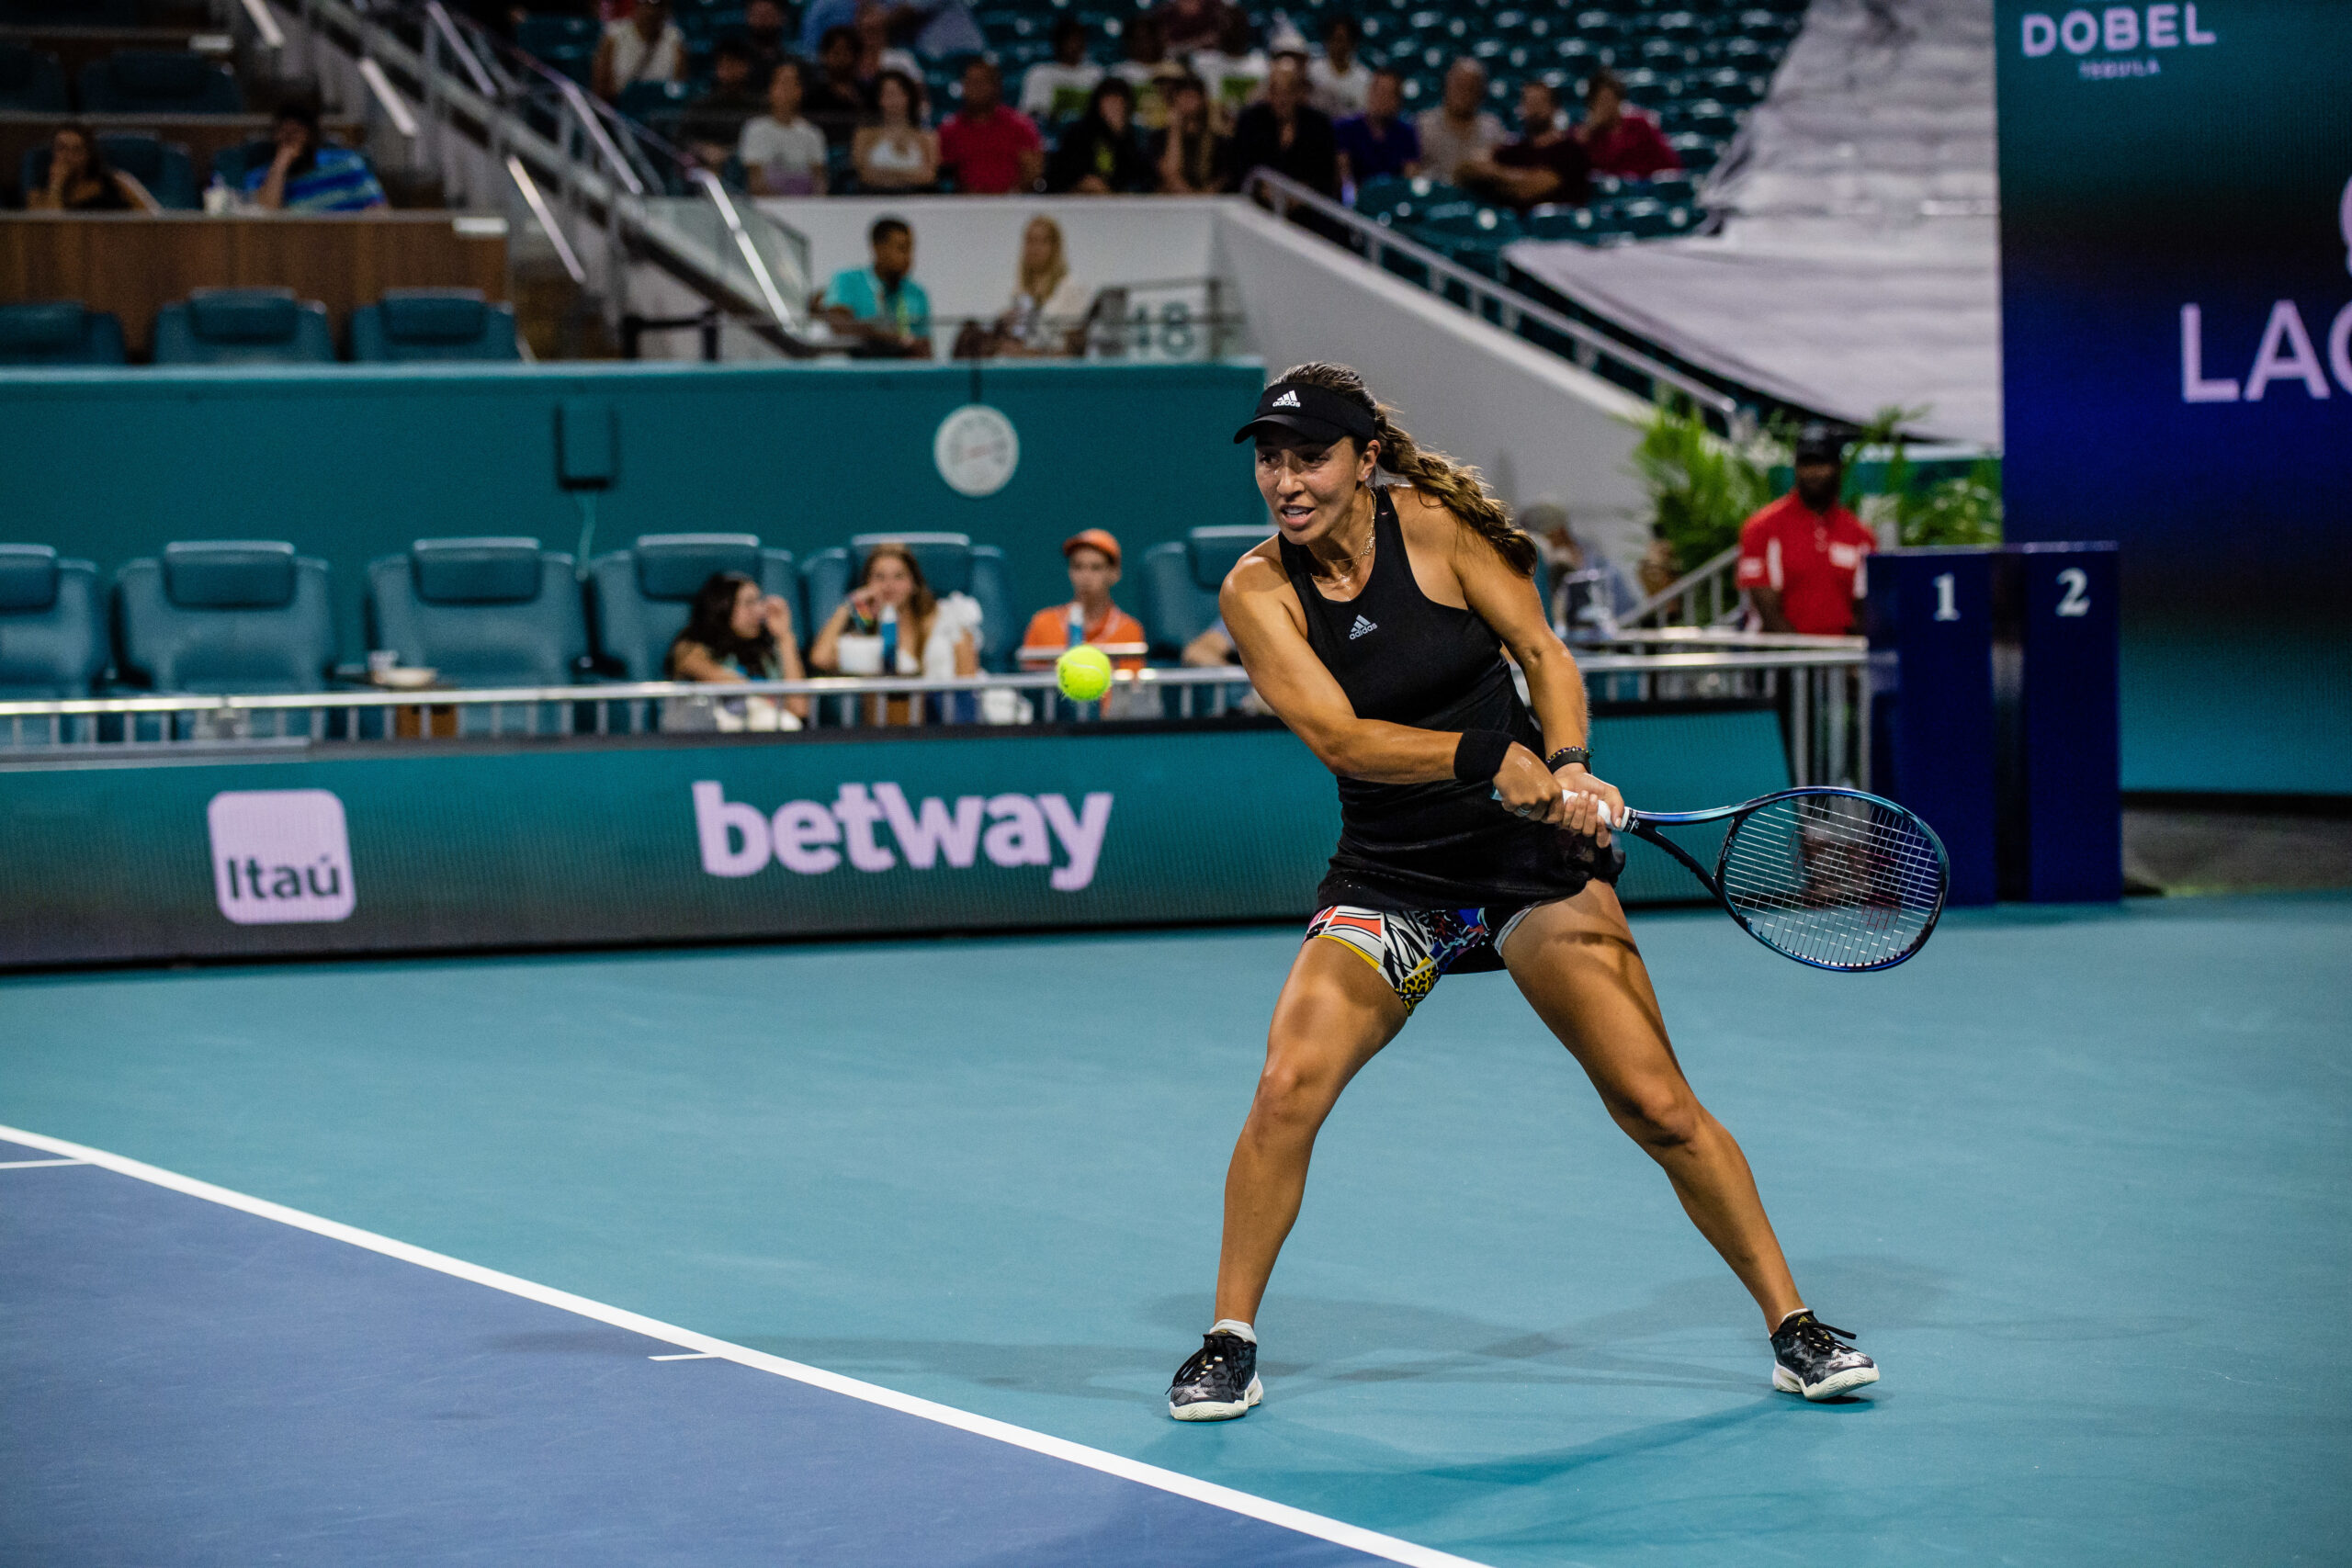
{"type": "Point", "coordinates": [991, 149]}
{"type": "Point", "coordinates": [1801, 557]}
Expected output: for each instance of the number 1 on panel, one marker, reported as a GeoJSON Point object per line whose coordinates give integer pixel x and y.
{"type": "Point", "coordinates": [1946, 597]}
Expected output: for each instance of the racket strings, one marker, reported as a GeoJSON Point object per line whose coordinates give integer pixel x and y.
{"type": "Point", "coordinates": [1838, 881]}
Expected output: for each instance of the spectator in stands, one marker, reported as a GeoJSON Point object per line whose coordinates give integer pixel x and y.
{"type": "Point", "coordinates": [935, 28]}
{"type": "Point", "coordinates": [892, 622]}
{"type": "Point", "coordinates": [881, 307]}
{"type": "Point", "coordinates": [1622, 140]}
{"type": "Point", "coordinates": [1099, 155]}
{"type": "Point", "coordinates": [895, 152]}
{"type": "Point", "coordinates": [836, 103]}
{"type": "Point", "coordinates": [80, 180]}
{"type": "Point", "coordinates": [1235, 67]}
{"type": "Point", "coordinates": [644, 47]}
{"type": "Point", "coordinates": [1458, 129]}
{"type": "Point", "coordinates": [734, 633]}
{"type": "Point", "coordinates": [1546, 164]}
{"type": "Point", "coordinates": [763, 35]}
{"type": "Point", "coordinates": [1089, 617]}
{"type": "Point", "coordinates": [1046, 317]}
{"type": "Point", "coordinates": [1192, 158]}
{"type": "Point", "coordinates": [1055, 90]}
{"type": "Point", "coordinates": [1659, 569]}
{"type": "Point", "coordinates": [714, 121]}
{"type": "Point", "coordinates": [1186, 25]}
{"type": "Point", "coordinates": [991, 149]}
{"type": "Point", "coordinates": [1801, 557]}
{"type": "Point", "coordinates": [1589, 594]}
{"type": "Point", "coordinates": [1380, 142]}
{"type": "Point", "coordinates": [309, 174]}
{"type": "Point", "coordinates": [782, 153]}
{"type": "Point", "coordinates": [1339, 84]}
{"type": "Point", "coordinates": [1287, 134]}
{"type": "Point", "coordinates": [1149, 71]}
{"type": "Point", "coordinates": [877, 54]}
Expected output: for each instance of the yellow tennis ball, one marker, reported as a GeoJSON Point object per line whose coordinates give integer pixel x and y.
{"type": "Point", "coordinates": [1084, 673]}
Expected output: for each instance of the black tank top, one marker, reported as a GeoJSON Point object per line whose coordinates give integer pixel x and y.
{"type": "Point", "coordinates": [1403, 660]}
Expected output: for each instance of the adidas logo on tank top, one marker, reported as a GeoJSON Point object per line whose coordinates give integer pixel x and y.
{"type": "Point", "coordinates": [1360, 627]}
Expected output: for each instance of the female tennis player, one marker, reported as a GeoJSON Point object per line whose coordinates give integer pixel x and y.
{"type": "Point", "coordinates": [1375, 623]}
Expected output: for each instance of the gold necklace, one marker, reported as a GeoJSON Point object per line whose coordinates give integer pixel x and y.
{"type": "Point", "coordinates": [1342, 569]}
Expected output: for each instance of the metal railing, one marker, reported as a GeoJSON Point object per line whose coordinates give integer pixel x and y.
{"type": "Point", "coordinates": [495, 120]}
{"type": "Point", "coordinates": [1708, 595]}
{"type": "Point", "coordinates": [1496, 303]}
{"type": "Point", "coordinates": [1821, 690]}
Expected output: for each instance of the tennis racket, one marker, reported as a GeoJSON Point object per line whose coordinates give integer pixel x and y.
{"type": "Point", "coordinates": [1830, 877]}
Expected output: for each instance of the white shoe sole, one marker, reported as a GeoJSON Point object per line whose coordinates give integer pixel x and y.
{"type": "Point", "coordinates": [1209, 1410]}
{"type": "Point", "coordinates": [1828, 1388]}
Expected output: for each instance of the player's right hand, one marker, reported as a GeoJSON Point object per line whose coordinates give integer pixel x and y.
{"type": "Point", "coordinates": [1526, 788]}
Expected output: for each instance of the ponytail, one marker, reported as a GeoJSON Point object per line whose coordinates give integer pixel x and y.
{"type": "Point", "coordinates": [1455, 486]}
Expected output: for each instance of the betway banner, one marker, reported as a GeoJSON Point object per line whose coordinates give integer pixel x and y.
{"type": "Point", "coordinates": [2176, 228]}
{"type": "Point", "coordinates": [670, 841]}
{"type": "Point", "coordinates": [655, 842]}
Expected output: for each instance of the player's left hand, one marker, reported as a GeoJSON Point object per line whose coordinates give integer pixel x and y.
{"type": "Point", "coordinates": [1582, 799]}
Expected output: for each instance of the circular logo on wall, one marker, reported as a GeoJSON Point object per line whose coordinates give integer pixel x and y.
{"type": "Point", "coordinates": [977, 450]}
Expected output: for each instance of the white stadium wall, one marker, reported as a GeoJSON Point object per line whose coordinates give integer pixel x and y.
{"type": "Point", "coordinates": [1536, 424]}
{"type": "Point", "coordinates": [1533, 423]}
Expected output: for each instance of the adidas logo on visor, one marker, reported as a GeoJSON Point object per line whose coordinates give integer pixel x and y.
{"type": "Point", "coordinates": [1287, 400]}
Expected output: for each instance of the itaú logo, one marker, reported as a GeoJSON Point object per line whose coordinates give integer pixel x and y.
{"type": "Point", "coordinates": [2286, 352]}
{"type": "Point", "coordinates": [2114, 29]}
{"type": "Point", "coordinates": [813, 837]}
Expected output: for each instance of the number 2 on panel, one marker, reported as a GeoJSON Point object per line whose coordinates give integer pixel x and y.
{"type": "Point", "coordinates": [2077, 600]}
{"type": "Point", "coordinates": [1946, 598]}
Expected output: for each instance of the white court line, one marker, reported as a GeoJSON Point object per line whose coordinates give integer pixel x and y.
{"type": "Point", "coordinates": [1369, 1542]}
{"type": "Point", "coordinates": [36, 1164]}
{"type": "Point", "coordinates": [689, 1356]}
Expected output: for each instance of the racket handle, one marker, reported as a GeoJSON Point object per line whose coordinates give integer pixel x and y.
{"type": "Point", "coordinates": [1617, 823]}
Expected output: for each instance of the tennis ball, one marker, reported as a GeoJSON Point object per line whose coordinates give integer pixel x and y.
{"type": "Point", "coordinates": [1084, 673]}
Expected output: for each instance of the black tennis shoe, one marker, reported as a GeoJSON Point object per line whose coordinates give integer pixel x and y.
{"type": "Point", "coordinates": [1220, 1383]}
{"type": "Point", "coordinates": [1810, 1358]}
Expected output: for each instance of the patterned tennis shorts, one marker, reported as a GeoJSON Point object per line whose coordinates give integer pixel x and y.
{"type": "Point", "coordinates": [1414, 949]}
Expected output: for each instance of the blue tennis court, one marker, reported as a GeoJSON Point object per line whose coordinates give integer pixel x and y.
{"type": "Point", "coordinates": [2078, 1178]}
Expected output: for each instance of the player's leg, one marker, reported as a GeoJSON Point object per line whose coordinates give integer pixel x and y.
{"type": "Point", "coordinates": [1576, 963]}
{"type": "Point", "coordinates": [1335, 1013]}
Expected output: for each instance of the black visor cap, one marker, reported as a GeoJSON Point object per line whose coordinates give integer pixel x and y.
{"type": "Point", "coordinates": [1318, 413]}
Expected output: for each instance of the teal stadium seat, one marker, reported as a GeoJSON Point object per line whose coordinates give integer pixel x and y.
{"type": "Point", "coordinates": [244, 326]}
{"type": "Point", "coordinates": [31, 80]}
{"type": "Point", "coordinates": [165, 168]}
{"type": "Point", "coordinates": [951, 564]}
{"type": "Point", "coordinates": [232, 616]}
{"type": "Point", "coordinates": [158, 80]}
{"type": "Point", "coordinates": [52, 638]}
{"type": "Point", "coordinates": [566, 44]}
{"type": "Point", "coordinates": [59, 333]}
{"type": "Point", "coordinates": [1180, 578]}
{"type": "Point", "coordinates": [642, 595]}
{"type": "Point", "coordinates": [231, 164]}
{"type": "Point", "coordinates": [483, 612]}
{"type": "Point", "coordinates": [412, 325]}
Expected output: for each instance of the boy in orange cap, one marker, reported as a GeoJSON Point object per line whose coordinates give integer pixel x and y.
{"type": "Point", "coordinates": [1093, 556]}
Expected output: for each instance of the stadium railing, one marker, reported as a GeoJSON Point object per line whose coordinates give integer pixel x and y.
{"type": "Point", "coordinates": [1820, 686]}
{"type": "Point", "coordinates": [1496, 303]}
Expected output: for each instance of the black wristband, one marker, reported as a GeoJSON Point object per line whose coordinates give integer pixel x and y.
{"type": "Point", "coordinates": [1479, 755]}
{"type": "Point", "coordinates": [1580, 755]}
